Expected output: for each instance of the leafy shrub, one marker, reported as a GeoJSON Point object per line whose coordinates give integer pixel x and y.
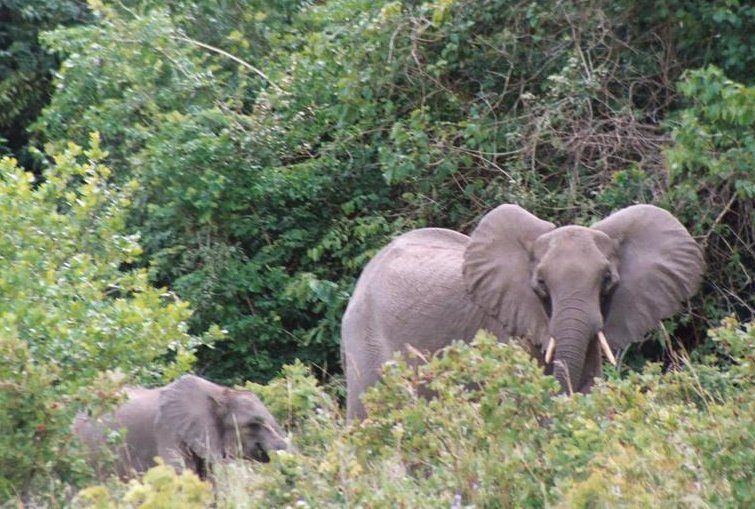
{"type": "Point", "coordinates": [301, 406]}
{"type": "Point", "coordinates": [711, 162]}
{"type": "Point", "coordinates": [159, 488]}
{"type": "Point", "coordinates": [203, 163]}
{"type": "Point", "coordinates": [26, 68]}
{"type": "Point", "coordinates": [496, 434]}
{"type": "Point", "coordinates": [278, 144]}
{"type": "Point", "coordinates": [69, 314]}
{"type": "Point", "coordinates": [718, 33]}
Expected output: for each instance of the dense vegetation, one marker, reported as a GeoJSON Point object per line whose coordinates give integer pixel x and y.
{"type": "Point", "coordinates": [679, 439]}
{"type": "Point", "coordinates": [26, 68]}
{"type": "Point", "coordinates": [70, 318]}
{"type": "Point", "coordinates": [251, 156]}
{"type": "Point", "coordinates": [277, 144]}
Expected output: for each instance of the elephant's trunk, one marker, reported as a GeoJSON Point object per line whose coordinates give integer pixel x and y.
{"type": "Point", "coordinates": [573, 329]}
{"type": "Point", "coordinates": [569, 362]}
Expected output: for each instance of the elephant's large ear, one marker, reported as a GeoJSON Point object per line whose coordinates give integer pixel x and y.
{"type": "Point", "coordinates": [191, 407]}
{"type": "Point", "coordinates": [496, 269]}
{"type": "Point", "coordinates": [660, 265]}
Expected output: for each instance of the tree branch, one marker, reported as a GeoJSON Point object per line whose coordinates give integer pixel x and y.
{"type": "Point", "coordinates": [232, 57]}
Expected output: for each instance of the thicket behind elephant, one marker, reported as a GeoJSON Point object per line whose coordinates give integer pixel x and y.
{"type": "Point", "coordinates": [573, 291]}
{"type": "Point", "coordinates": [189, 423]}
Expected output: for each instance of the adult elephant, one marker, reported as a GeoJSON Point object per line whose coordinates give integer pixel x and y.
{"type": "Point", "coordinates": [572, 291]}
{"type": "Point", "coordinates": [189, 423]}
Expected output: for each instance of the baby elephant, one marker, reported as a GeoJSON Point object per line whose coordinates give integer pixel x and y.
{"type": "Point", "coordinates": [190, 423]}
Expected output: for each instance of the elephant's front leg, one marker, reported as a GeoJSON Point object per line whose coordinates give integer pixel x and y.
{"type": "Point", "coordinates": [172, 453]}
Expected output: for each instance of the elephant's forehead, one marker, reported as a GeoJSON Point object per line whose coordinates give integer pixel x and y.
{"type": "Point", "coordinates": [577, 240]}
{"type": "Point", "coordinates": [247, 405]}
{"type": "Point", "coordinates": [571, 234]}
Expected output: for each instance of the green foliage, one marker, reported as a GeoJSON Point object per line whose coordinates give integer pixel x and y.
{"type": "Point", "coordinates": [26, 69]}
{"type": "Point", "coordinates": [159, 488]}
{"type": "Point", "coordinates": [298, 403]}
{"type": "Point", "coordinates": [224, 224]}
{"type": "Point", "coordinates": [263, 151]}
{"type": "Point", "coordinates": [711, 163]}
{"type": "Point", "coordinates": [719, 33]}
{"type": "Point", "coordinates": [278, 144]}
{"type": "Point", "coordinates": [495, 434]}
{"type": "Point", "coordinates": [69, 313]}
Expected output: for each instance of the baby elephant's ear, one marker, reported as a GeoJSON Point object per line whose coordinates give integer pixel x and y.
{"type": "Point", "coordinates": [660, 266]}
{"type": "Point", "coordinates": [496, 269]}
{"type": "Point", "coordinates": [189, 408]}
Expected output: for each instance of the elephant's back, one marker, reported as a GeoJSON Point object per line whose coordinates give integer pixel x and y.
{"type": "Point", "coordinates": [429, 239]}
{"type": "Point", "coordinates": [411, 291]}
{"type": "Point", "coordinates": [140, 401]}
{"type": "Point", "coordinates": [442, 238]}
{"type": "Point", "coordinates": [415, 262]}
{"type": "Point", "coordinates": [412, 254]}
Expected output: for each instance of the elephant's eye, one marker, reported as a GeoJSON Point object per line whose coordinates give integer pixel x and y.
{"type": "Point", "coordinates": [607, 281]}
{"type": "Point", "coordinates": [542, 287]}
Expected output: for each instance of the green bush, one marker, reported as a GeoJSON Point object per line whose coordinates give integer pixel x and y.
{"type": "Point", "coordinates": [301, 406]}
{"type": "Point", "coordinates": [222, 223]}
{"type": "Point", "coordinates": [263, 151]}
{"type": "Point", "coordinates": [159, 488]}
{"type": "Point", "coordinates": [27, 69]}
{"type": "Point", "coordinates": [711, 164]}
{"type": "Point", "coordinates": [496, 434]}
{"type": "Point", "coordinates": [279, 144]}
{"type": "Point", "coordinates": [75, 323]}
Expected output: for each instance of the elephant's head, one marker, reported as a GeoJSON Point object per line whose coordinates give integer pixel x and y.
{"type": "Point", "coordinates": [577, 291]}
{"type": "Point", "coordinates": [213, 422]}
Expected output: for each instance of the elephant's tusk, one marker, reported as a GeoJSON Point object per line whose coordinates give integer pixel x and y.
{"type": "Point", "coordinates": [606, 349]}
{"type": "Point", "coordinates": [550, 350]}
